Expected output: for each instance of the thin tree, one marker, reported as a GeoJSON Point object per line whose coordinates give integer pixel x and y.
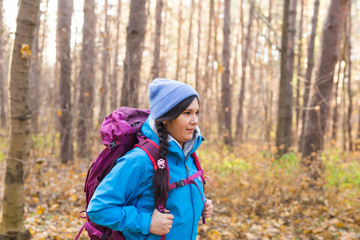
{"type": "Point", "coordinates": [244, 61]}
{"type": "Point", "coordinates": [299, 64]}
{"type": "Point", "coordinates": [114, 80]}
{"type": "Point", "coordinates": [269, 92]}
{"type": "Point", "coordinates": [134, 48]}
{"type": "Point", "coordinates": [179, 41]}
{"type": "Point", "coordinates": [197, 68]}
{"type": "Point", "coordinates": [13, 202]}
{"type": "Point", "coordinates": [34, 78]}
{"type": "Point", "coordinates": [105, 66]}
{"type": "Point", "coordinates": [284, 115]}
{"type": "Point", "coordinates": [155, 68]}
{"type": "Point", "coordinates": [316, 117]}
{"type": "Point", "coordinates": [225, 79]}
{"type": "Point", "coordinates": [336, 107]}
{"type": "Point", "coordinates": [310, 66]}
{"type": "Point", "coordinates": [2, 74]}
{"type": "Point", "coordinates": [87, 78]}
{"type": "Point", "coordinates": [65, 11]}
{"type": "Point", "coordinates": [207, 76]}
{"type": "Point", "coordinates": [188, 46]}
{"type": "Point", "coordinates": [348, 73]}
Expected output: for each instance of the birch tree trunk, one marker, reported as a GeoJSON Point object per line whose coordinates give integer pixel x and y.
{"type": "Point", "coordinates": [284, 116]}
{"type": "Point", "coordinates": [34, 78]}
{"type": "Point", "coordinates": [225, 86]}
{"type": "Point", "coordinates": [13, 202]}
{"type": "Point", "coordinates": [65, 8]}
{"type": "Point", "coordinates": [87, 78]}
{"type": "Point", "coordinates": [134, 48]}
{"type": "Point", "coordinates": [316, 117]}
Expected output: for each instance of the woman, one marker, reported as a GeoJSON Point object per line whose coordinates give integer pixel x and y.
{"type": "Point", "coordinates": [125, 199]}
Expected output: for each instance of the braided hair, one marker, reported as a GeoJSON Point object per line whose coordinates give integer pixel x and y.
{"type": "Point", "coordinates": [161, 176]}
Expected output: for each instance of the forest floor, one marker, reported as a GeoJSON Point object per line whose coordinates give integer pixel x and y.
{"type": "Point", "coordinates": [255, 196]}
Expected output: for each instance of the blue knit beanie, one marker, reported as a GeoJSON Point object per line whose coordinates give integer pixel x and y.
{"type": "Point", "coordinates": [164, 94]}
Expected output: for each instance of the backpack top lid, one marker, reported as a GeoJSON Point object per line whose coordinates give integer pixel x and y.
{"type": "Point", "coordinates": [122, 125]}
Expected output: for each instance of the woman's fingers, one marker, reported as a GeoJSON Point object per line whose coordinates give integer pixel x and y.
{"type": "Point", "coordinates": [208, 209]}
{"type": "Point", "coordinates": [161, 223]}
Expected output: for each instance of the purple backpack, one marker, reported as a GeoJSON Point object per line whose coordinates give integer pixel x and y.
{"type": "Point", "coordinates": [120, 132]}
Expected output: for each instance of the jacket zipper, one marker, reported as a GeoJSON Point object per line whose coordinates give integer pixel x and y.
{"type": "Point", "coordinates": [191, 198]}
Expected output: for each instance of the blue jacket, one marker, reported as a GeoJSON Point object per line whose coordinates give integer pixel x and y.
{"type": "Point", "coordinates": [124, 200]}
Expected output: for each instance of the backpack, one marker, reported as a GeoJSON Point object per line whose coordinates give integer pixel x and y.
{"type": "Point", "coordinates": [120, 132]}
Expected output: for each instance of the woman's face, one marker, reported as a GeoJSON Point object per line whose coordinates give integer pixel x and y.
{"type": "Point", "coordinates": [182, 127]}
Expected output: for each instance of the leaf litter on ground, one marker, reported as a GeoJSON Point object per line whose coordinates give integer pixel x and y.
{"type": "Point", "coordinates": [255, 196]}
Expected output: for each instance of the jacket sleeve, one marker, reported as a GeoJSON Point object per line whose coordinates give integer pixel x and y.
{"type": "Point", "coordinates": [111, 206]}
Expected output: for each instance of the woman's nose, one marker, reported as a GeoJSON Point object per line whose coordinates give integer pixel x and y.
{"type": "Point", "coordinates": [195, 120]}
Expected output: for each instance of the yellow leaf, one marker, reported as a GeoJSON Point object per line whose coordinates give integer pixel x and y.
{"type": "Point", "coordinates": [25, 51]}
{"type": "Point", "coordinates": [40, 210]}
{"type": "Point", "coordinates": [59, 113]}
{"type": "Point", "coordinates": [31, 231]}
{"type": "Point", "coordinates": [87, 94]}
{"type": "Point", "coordinates": [340, 225]}
{"type": "Point", "coordinates": [220, 68]}
{"type": "Point", "coordinates": [74, 198]}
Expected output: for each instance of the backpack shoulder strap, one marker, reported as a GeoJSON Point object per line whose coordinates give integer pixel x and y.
{"type": "Point", "coordinates": [151, 149]}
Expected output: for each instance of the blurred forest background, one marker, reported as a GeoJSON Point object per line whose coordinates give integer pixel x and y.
{"type": "Point", "coordinates": [279, 96]}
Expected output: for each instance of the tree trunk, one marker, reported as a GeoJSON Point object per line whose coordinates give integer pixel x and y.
{"type": "Point", "coordinates": [225, 79]}
{"type": "Point", "coordinates": [310, 66]}
{"type": "Point", "coordinates": [12, 222]}
{"type": "Point", "coordinates": [348, 72]}
{"type": "Point", "coordinates": [284, 116]}
{"type": "Point", "coordinates": [209, 60]}
{"type": "Point", "coordinates": [269, 92]}
{"type": "Point", "coordinates": [104, 68]}
{"type": "Point", "coordinates": [188, 46]}
{"type": "Point", "coordinates": [65, 8]}
{"type": "Point", "coordinates": [197, 70]}
{"type": "Point", "coordinates": [114, 87]}
{"type": "Point", "coordinates": [179, 41]}
{"type": "Point", "coordinates": [2, 73]}
{"type": "Point", "coordinates": [155, 68]}
{"type": "Point", "coordinates": [299, 68]}
{"type": "Point", "coordinates": [34, 78]}
{"type": "Point", "coordinates": [335, 110]}
{"type": "Point", "coordinates": [87, 78]}
{"type": "Point", "coordinates": [134, 48]}
{"type": "Point", "coordinates": [316, 118]}
{"type": "Point", "coordinates": [244, 61]}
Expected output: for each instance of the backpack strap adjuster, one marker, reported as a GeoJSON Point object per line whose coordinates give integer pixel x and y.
{"type": "Point", "coordinates": [112, 145]}
{"type": "Point", "coordinates": [180, 183]}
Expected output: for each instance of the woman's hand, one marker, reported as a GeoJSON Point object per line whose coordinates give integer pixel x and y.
{"type": "Point", "coordinates": [208, 209]}
{"type": "Point", "coordinates": [161, 223]}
